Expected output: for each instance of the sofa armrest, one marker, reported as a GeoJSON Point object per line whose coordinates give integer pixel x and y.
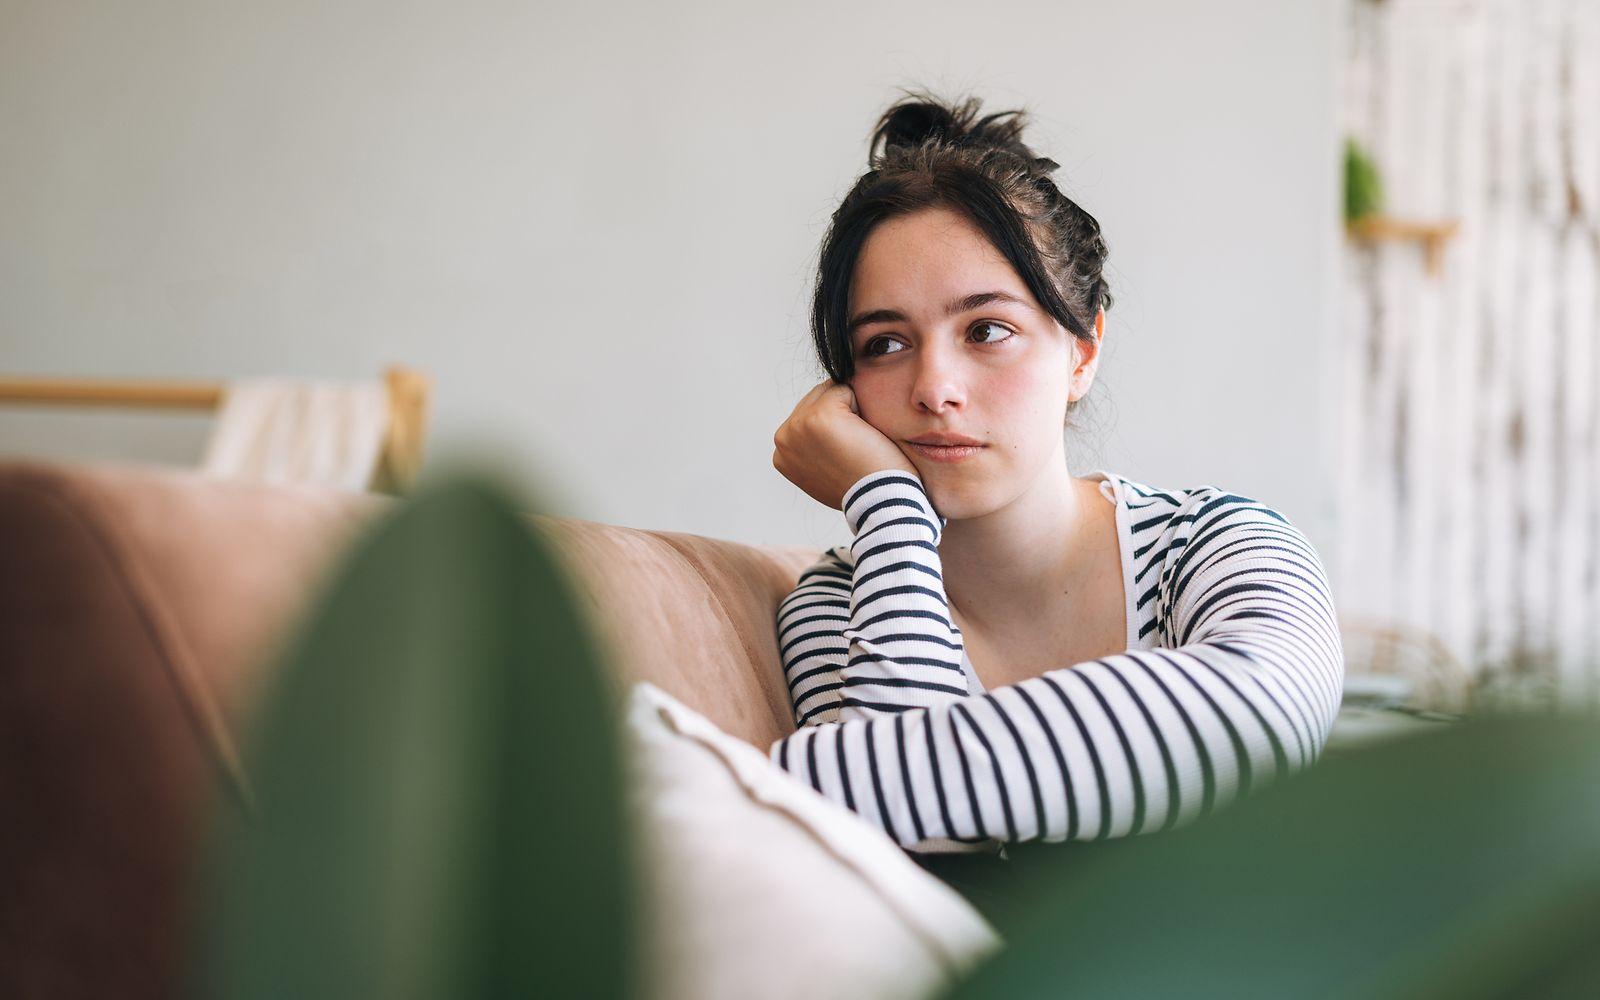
{"type": "Point", "coordinates": [135, 606]}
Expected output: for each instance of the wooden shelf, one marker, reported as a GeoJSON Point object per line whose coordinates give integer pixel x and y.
{"type": "Point", "coordinates": [1432, 235]}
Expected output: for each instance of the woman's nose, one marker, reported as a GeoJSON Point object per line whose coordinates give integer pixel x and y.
{"type": "Point", "coordinates": [938, 383]}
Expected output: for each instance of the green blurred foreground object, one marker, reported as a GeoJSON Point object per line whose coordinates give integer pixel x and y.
{"type": "Point", "coordinates": [437, 780]}
{"type": "Point", "coordinates": [1460, 863]}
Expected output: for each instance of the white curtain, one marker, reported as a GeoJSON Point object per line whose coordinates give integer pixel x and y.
{"type": "Point", "coordinates": [1470, 438]}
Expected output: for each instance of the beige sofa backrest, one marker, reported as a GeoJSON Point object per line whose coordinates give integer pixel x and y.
{"type": "Point", "coordinates": [139, 607]}
{"type": "Point", "coordinates": [693, 615]}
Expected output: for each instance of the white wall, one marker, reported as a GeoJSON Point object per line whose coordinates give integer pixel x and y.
{"type": "Point", "coordinates": [596, 226]}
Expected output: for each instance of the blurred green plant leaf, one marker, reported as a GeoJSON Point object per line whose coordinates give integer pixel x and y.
{"type": "Point", "coordinates": [1459, 863]}
{"type": "Point", "coordinates": [1363, 188]}
{"type": "Point", "coordinates": [439, 808]}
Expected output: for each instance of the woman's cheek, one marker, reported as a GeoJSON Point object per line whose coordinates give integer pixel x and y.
{"type": "Point", "coordinates": [1022, 403]}
{"type": "Point", "coordinates": [870, 395]}
{"type": "Point", "coordinates": [1015, 391]}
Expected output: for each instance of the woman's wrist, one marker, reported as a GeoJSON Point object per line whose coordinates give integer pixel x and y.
{"type": "Point", "coordinates": [886, 495]}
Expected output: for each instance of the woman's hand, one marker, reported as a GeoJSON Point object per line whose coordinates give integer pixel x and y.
{"type": "Point", "coordinates": [825, 446]}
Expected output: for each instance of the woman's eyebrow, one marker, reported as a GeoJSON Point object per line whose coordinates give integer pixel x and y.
{"type": "Point", "coordinates": [961, 305]}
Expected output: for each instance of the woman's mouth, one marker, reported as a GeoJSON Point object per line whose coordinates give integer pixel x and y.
{"type": "Point", "coordinates": [947, 453]}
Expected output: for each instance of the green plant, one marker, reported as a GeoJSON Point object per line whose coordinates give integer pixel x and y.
{"type": "Point", "coordinates": [1460, 863]}
{"type": "Point", "coordinates": [1363, 188]}
{"type": "Point", "coordinates": [436, 772]}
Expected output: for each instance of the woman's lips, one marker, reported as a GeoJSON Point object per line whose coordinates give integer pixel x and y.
{"type": "Point", "coordinates": [947, 453]}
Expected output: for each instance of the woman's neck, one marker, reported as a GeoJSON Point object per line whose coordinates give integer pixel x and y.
{"type": "Point", "coordinates": [1003, 570]}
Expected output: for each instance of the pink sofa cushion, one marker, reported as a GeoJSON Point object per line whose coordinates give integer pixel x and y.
{"type": "Point", "coordinates": [692, 615]}
{"type": "Point", "coordinates": [139, 609]}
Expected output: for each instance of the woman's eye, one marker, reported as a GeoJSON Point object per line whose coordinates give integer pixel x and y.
{"type": "Point", "coordinates": [891, 346]}
{"type": "Point", "coordinates": [995, 326]}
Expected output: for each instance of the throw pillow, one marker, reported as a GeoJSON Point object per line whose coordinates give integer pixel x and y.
{"type": "Point", "coordinates": [761, 888]}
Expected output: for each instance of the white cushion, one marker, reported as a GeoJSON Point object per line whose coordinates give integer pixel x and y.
{"type": "Point", "coordinates": [761, 888]}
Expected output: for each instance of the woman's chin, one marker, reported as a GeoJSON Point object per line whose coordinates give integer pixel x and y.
{"type": "Point", "coordinates": [952, 504]}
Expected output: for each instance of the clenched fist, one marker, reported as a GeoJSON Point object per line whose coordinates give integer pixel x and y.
{"type": "Point", "coordinates": [825, 446]}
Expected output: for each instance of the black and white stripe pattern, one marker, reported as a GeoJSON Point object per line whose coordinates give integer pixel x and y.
{"type": "Point", "coordinates": [1235, 678]}
{"type": "Point", "coordinates": [891, 619]}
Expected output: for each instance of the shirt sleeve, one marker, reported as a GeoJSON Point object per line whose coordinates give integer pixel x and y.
{"type": "Point", "coordinates": [871, 634]}
{"type": "Point", "coordinates": [1137, 742]}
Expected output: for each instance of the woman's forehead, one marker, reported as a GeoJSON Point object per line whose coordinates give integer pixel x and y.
{"type": "Point", "coordinates": [920, 254]}
{"type": "Point", "coordinates": [934, 229]}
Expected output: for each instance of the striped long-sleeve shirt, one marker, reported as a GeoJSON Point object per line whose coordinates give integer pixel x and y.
{"type": "Point", "coordinates": [1232, 677]}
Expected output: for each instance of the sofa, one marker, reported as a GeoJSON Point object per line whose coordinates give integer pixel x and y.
{"type": "Point", "coordinates": [141, 608]}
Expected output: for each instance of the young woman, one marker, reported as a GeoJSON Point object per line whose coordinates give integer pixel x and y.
{"type": "Point", "coordinates": [1006, 652]}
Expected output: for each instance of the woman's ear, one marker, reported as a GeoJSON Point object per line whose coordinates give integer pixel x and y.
{"type": "Point", "coordinates": [1088, 354]}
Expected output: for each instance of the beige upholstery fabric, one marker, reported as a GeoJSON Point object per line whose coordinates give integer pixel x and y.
{"type": "Point", "coordinates": [693, 615]}
{"type": "Point", "coordinates": [139, 609]}
{"type": "Point", "coordinates": [766, 890]}
{"type": "Point", "coordinates": [136, 604]}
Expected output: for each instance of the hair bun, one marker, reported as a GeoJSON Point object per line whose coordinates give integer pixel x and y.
{"type": "Point", "coordinates": [923, 118]}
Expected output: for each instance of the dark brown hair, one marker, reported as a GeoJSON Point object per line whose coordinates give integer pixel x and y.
{"type": "Point", "coordinates": [924, 153]}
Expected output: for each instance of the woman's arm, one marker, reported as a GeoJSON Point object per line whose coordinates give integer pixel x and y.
{"type": "Point", "coordinates": [811, 642]}
{"type": "Point", "coordinates": [1121, 745]}
{"type": "Point", "coordinates": [872, 635]}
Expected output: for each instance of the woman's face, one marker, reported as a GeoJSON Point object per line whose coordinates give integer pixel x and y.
{"type": "Point", "coordinates": [1000, 371]}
